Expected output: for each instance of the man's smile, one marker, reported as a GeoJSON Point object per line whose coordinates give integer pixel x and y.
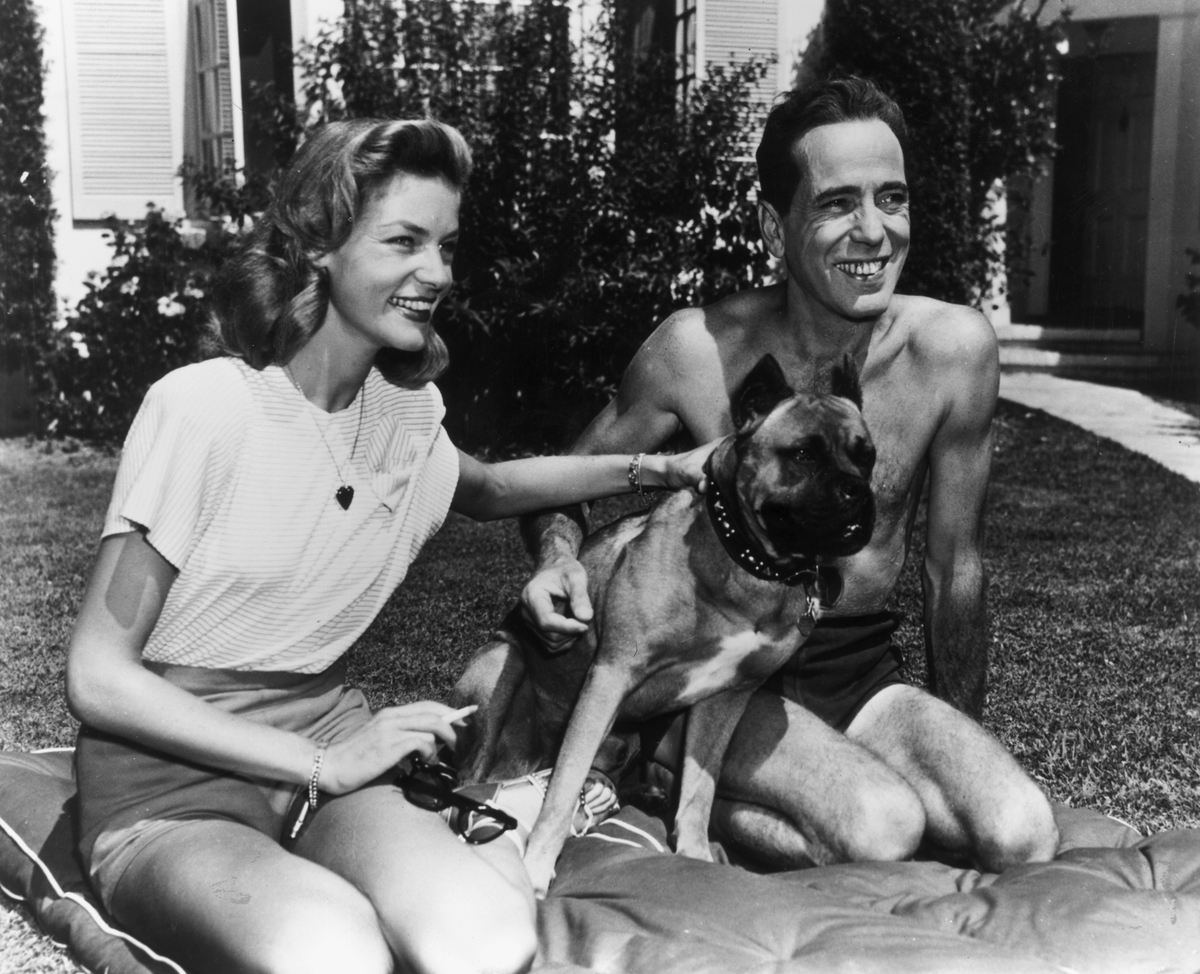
{"type": "Point", "coordinates": [861, 270]}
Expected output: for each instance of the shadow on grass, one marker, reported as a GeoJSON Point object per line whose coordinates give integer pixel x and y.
{"type": "Point", "coordinates": [1093, 555]}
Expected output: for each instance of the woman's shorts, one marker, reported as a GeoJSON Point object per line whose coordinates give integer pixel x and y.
{"type": "Point", "coordinates": [130, 795]}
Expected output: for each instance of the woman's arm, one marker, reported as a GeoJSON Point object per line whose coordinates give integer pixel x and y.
{"type": "Point", "coordinates": [487, 491]}
{"type": "Point", "coordinates": [109, 690]}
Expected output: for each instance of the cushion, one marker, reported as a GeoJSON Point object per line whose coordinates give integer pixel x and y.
{"type": "Point", "coordinates": [1112, 901]}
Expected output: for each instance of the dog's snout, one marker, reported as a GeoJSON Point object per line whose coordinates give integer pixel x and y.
{"type": "Point", "coordinates": [853, 489]}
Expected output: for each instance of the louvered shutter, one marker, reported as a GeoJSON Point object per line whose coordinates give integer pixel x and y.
{"type": "Point", "coordinates": [211, 110]}
{"type": "Point", "coordinates": [119, 108]}
{"type": "Point", "coordinates": [737, 30]}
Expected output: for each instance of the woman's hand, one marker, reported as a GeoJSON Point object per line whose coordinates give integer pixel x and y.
{"type": "Point", "coordinates": [679, 470]}
{"type": "Point", "coordinates": [384, 741]}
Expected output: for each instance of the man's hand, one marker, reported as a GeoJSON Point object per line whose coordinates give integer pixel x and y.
{"type": "Point", "coordinates": [555, 602]}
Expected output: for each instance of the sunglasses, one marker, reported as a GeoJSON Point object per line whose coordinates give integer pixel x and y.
{"type": "Point", "coordinates": [432, 788]}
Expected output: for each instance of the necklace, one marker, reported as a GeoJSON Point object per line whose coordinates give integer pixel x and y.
{"type": "Point", "coordinates": [345, 493]}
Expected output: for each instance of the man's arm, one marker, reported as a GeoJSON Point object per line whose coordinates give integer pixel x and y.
{"type": "Point", "coordinates": [960, 459]}
{"type": "Point", "coordinates": [640, 418]}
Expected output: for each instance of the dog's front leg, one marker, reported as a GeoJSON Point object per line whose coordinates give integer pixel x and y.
{"type": "Point", "coordinates": [592, 719]}
{"type": "Point", "coordinates": [710, 725]}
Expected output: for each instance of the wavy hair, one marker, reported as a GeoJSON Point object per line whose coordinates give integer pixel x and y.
{"type": "Point", "coordinates": [848, 99]}
{"type": "Point", "coordinates": [271, 298]}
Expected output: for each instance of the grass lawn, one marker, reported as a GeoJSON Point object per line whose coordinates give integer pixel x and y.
{"type": "Point", "coordinates": [1094, 562]}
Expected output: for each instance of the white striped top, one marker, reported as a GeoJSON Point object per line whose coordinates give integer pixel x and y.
{"type": "Point", "coordinates": [226, 471]}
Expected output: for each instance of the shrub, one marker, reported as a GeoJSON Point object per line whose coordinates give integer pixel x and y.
{"type": "Point", "coordinates": [598, 206]}
{"type": "Point", "coordinates": [599, 203]}
{"type": "Point", "coordinates": [142, 317]}
{"type": "Point", "coordinates": [26, 215]}
{"type": "Point", "coordinates": [976, 80]}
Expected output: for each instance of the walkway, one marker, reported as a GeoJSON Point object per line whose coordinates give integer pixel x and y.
{"type": "Point", "coordinates": [1170, 436]}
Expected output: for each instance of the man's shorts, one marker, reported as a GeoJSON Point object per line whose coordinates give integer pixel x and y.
{"type": "Point", "coordinates": [843, 664]}
{"type": "Point", "coordinates": [130, 795]}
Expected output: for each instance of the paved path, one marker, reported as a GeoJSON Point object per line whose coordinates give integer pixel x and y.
{"type": "Point", "coordinates": [1170, 436]}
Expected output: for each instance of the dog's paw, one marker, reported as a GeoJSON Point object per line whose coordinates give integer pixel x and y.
{"type": "Point", "coordinates": [694, 847]}
{"type": "Point", "coordinates": [541, 875]}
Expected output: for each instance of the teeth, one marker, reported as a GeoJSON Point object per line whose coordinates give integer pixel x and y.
{"type": "Point", "coordinates": [861, 268]}
{"type": "Point", "coordinates": [411, 304]}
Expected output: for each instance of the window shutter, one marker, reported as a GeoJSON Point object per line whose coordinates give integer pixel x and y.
{"type": "Point", "coordinates": [119, 108]}
{"type": "Point", "coordinates": [211, 114]}
{"type": "Point", "coordinates": [736, 31]}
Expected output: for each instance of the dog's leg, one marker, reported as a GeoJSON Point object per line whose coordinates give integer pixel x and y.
{"type": "Point", "coordinates": [594, 715]}
{"type": "Point", "coordinates": [492, 681]}
{"type": "Point", "coordinates": [710, 725]}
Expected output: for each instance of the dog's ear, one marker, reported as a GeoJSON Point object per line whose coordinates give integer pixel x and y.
{"type": "Point", "coordinates": [845, 381]}
{"type": "Point", "coordinates": [761, 391]}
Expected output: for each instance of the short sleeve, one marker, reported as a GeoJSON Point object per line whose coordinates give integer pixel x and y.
{"type": "Point", "coordinates": [176, 456]}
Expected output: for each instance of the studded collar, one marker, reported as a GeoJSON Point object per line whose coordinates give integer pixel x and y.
{"type": "Point", "coordinates": [823, 583]}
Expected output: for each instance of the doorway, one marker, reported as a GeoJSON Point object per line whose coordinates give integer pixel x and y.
{"type": "Point", "coordinates": [1101, 188]}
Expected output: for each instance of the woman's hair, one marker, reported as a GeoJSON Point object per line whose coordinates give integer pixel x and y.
{"type": "Point", "coordinates": [848, 99]}
{"type": "Point", "coordinates": [271, 298]}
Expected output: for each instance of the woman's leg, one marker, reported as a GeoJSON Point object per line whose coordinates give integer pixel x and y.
{"type": "Point", "coordinates": [445, 907]}
{"type": "Point", "coordinates": [218, 896]}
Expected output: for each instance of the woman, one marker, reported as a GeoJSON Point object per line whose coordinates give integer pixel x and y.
{"type": "Point", "coordinates": [267, 505]}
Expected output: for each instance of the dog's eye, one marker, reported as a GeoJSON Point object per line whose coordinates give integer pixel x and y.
{"type": "Point", "coordinates": [800, 454]}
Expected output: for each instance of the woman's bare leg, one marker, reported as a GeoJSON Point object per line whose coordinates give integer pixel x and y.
{"type": "Point", "coordinates": [220, 897]}
{"type": "Point", "coordinates": [445, 907]}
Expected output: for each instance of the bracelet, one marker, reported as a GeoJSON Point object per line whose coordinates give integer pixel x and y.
{"type": "Point", "coordinates": [315, 775]}
{"type": "Point", "coordinates": [635, 475]}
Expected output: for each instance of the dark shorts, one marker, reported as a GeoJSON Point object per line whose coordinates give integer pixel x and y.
{"type": "Point", "coordinates": [843, 664]}
{"type": "Point", "coordinates": [129, 794]}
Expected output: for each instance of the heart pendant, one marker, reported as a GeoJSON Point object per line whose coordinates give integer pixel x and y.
{"type": "Point", "coordinates": [344, 496]}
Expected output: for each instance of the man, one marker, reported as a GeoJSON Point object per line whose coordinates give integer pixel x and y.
{"type": "Point", "coordinates": [837, 759]}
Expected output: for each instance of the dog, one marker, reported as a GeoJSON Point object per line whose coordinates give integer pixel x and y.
{"type": "Point", "coordinates": [698, 600]}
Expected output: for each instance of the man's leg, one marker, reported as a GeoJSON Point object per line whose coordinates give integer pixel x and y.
{"type": "Point", "coordinates": [794, 792]}
{"type": "Point", "coordinates": [978, 801]}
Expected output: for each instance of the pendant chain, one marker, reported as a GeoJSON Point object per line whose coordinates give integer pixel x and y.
{"type": "Point", "coordinates": [344, 495]}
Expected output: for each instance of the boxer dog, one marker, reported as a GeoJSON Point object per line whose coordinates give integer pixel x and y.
{"type": "Point", "coordinates": [697, 601]}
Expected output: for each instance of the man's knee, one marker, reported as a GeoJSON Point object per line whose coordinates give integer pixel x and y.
{"type": "Point", "coordinates": [1017, 830]}
{"type": "Point", "coordinates": [884, 823]}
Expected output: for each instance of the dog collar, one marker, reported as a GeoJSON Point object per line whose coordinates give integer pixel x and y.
{"type": "Point", "coordinates": [822, 582]}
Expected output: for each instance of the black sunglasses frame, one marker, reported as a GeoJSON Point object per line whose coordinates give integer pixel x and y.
{"type": "Point", "coordinates": [431, 786]}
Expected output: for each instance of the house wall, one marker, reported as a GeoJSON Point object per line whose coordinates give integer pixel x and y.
{"type": "Point", "coordinates": [80, 244]}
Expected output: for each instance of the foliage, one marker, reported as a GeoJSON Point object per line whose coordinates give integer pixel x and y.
{"type": "Point", "coordinates": [1189, 301]}
{"type": "Point", "coordinates": [142, 317]}
{"type": "Point", "coordinates": [976, 80]}
{"type": "Point", "coordinates": [26, 214]}
{"type": "Point", "coordinates": [598, 203]}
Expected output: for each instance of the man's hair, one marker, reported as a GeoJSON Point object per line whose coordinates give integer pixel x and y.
{"type": "Point", "coordinates": [800, 111]}
{"type": "Point", "coordinates": [271, 297]}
